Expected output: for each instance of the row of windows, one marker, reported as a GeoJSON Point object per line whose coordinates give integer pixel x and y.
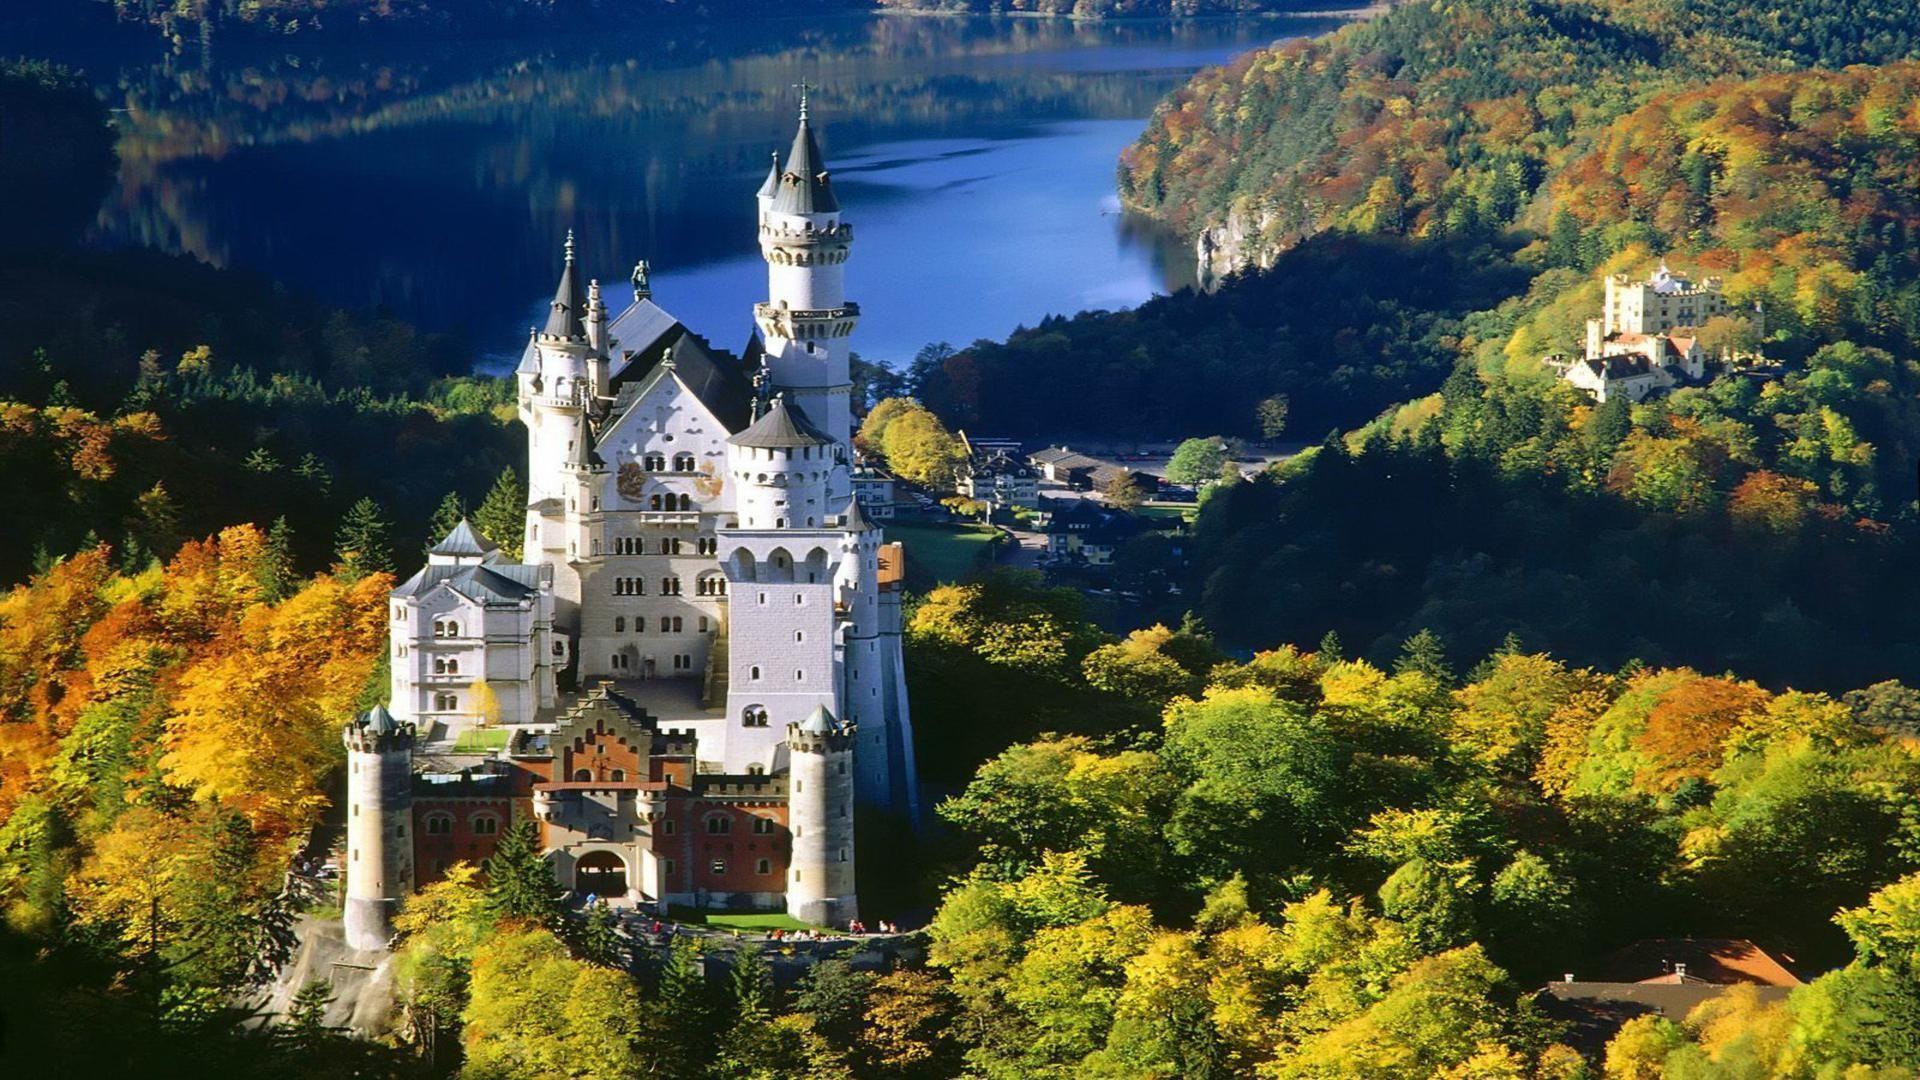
{"type": "Point", "coordinates": [482, 824]}
{"type": "Point", "coordinates": [614, 776]}
{"type": "Point", "coordinates": [446, 702]}
{"type": "Point", "coordinates": [446, 628]}
{"type": "Point", "coordinates": [682, 462]}
{"type": "Point", "coordinates": [799, 675]}
{"type": "Point", "coordinates": [669, 545]}
{"type": "Point", "coordinates": [669, 624]}
{"type": "Point", "coordinates": [446, 665]}
{"type": "Point", "coordinates": [670, 501]}
{"type": "Point", "coordinates": [622, 662]}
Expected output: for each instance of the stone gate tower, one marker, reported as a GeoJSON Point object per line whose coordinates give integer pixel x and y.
{"type": "Point", "coordinates": [379, 825]}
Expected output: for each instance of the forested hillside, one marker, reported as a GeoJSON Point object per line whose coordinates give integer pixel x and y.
{"type": "Point", "coordinates": [1442, 118]}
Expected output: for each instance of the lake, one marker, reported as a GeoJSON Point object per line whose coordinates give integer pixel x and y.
{"type": "Point", "coordinates": [974, 156]}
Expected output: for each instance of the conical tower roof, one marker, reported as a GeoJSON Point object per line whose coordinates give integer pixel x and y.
{"type": "Point", "coordinates": [804, 188]}
{"type": "Point", "coordinates": [463, 540]}
{"type": "Point", "coordinates": [379, 721]}
{"type": "Point", "coordinates": [782, 427]}
{"type": "Point", "coordinates": [856, 519]}
{"type": "Point", "coordinates": [772, 186]}
{"type": "Point", "coordinates": [819, 722]}
{"type": "Point", "coordinates": [566, 317]}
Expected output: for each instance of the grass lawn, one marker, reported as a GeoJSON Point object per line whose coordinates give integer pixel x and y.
{"type": "Point", "coordinates": [944, 552]}
{"type": "Point", "coordinates": [1185, 513]}
{"type": "Point", "coordinates": [756, 921]}
{"type": "Point", "coordinates": [473, 741]}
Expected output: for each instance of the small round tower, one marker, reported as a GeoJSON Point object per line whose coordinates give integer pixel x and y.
{"type": "Point", "coordinates": [820, 886]}
{"type": "Point", "coordinates": [781, 467]}
{"type": "Point", "coordinates": [379, 825]}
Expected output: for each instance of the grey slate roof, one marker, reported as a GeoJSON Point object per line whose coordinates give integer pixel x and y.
{"type": "Point", "coordinates": [819, 722]}
{"type": "Point", "coordinates": [638, 330]}
{"type": "Point", "coordinates": [803, 185]}
{"type": "Point", "coordinates": [716, 378]}
{"type": "Point", "coordinates": [772, 185]}
{"type": "Point", "coordinates": [784, 426]}
{"type": "Point", "coordinates": [566, 316]}
{"type": "Point", "coordinates": [856, 519]}
{"type": "Point", "coordinates": [379, 721]}
{"type": "Point", "coordinates": [463, 540]}
{"type": "Point", "coordinates": [502, 582]}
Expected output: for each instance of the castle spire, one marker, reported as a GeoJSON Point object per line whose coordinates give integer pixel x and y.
{"type": "Point", "coordinates": [566, 316]}
{"type": "Point", "coordinates": [804, 188]}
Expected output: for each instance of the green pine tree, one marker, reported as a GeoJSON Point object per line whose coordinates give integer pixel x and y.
{"type": "Point", "coordinates": [277, 572]}
{"type": "Point", "coordinates": [597, 939]}
{"type": "Point", "coordinates": [686, 1014]}
{"type": "Point", "coordinates": [304, 1031]}
{"type": "Point", "coordinates": [502, 517]}
{"type": "Point", "coordinates": [747, 1048]}
{"type": "Point", "coordinates": [1425, 653]}
{"type": "Point", "coordinates": [520, 882]}
{"type": "Point", "coordinates": [364, 544]}
{"type": "Point", "coordinates": [1331, 650]}
{"type": "Point", "coordinates": [451, 512]}
{"type": "Point", "coordinates": [262, 461]}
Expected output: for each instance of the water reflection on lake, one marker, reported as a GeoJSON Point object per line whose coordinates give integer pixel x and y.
{"type": "Point", "coordinates": [974, 156]}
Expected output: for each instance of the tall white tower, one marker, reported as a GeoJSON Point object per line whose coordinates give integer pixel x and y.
{"type": "Point", "coordinates": [379, 825]}
{"type": "Point", "coordinates": [807, 319]}
{"type": "Point", "coordinates": [557, 397]}
{"type": "Point", "coordinates": [820, 879]}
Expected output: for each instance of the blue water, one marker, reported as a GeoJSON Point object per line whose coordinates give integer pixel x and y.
{"type": "Point", "coordinates": [975, 158]}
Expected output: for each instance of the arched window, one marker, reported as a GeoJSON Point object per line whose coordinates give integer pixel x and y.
{"type": "Point", "coordinates": [582, 776]}
{"type": "Point", "coordinates": [753, 674]}
{"type": "Point", "coordinates": [754, 715]}
{"type": "Point", "coordinates": [653, 503]}
{"type": "Point", "coordinates": [719, 825]}
{"type": "Point", "coordinates": [762, 826]}
{"type": "Point", "coordinates": [764, 866]}
{"type": "Point", "coordinates": [619, 624]}
{"type": "Point", "coordinates": [756, 769]}
{"type": "Point", "coordinates": [654, 463]}
{"type": "Point", "coordinates": [683, 463]}
{"type": "Point", "coordinates": [618, 776]}
{"type": "Point", "coordinates": [485, 824]}
{"type": "Point", "coordinates": [686, 502]}
{"type": "Point", "coordinates": [439, 824]}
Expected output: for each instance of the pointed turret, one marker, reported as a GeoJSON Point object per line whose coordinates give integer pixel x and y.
{"type": "Point", "coordinates": [566, 317]}
{"type": "Point", "coordinates": [804, 188]}
{"type": "Point", "coordinates": [782, 427]}
{"type": "Point", "coordinates": [772, 186]}
{"type": "Point", "coordinates": [855, 519]}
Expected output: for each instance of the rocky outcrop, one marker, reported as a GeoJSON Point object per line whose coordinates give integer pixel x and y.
{"type": "Point", "coordinates": [362, 980]}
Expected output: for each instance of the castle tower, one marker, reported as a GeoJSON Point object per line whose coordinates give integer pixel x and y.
{"type": "Point", "coordinates": [806, 320]}
{"type": "Point", "coordinates": [820, 879]}
{"type": "Point", "coordinates": [557, 397]}
{"type": "Point", "coordinates": [379, 825]}
{"type": "Point", "coordinates": [875, 690]}
{"type": "Point", "coordinates": [781, 563]}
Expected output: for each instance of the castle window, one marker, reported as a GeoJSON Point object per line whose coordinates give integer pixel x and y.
{"type": "Point", "coordinates": [706, 545]}
{"type": "Point", "coordinates": [619, 776]}
{"type": "Point", "coordinates": [485, 824]}
{"type": "Point", "coordinates": [756, 769]}
{"type": "Point", "coordinates": [654, 463]}
{"type": "Point", "coordinates": [764, 866]}
{"type": "Point", "coordinates": [670, 586]}
{"type": "Point", "coordinates": [796, 875]}
{"type": "Point", "coordinates": [754, 715]}
{"type": "Point", "coordinates": [753, 674]}
{"type": "Point", "coordinates": [667, 864]}
{"type": "Point", "coordinates": [719, 825]}
{"type": "Point", "coordinates": [686, 502]}
{"type": "Point", "coordinates": [703, 624]}
{"type": "Point", "coordinates": [719, 867]}
{"type": "Point", "coordinates": [667, 828]}
{"type": "Point", "coordinates": [799, 675]}
{"type": "Point", "coordinates": [799, 635]}
{"type": "Point", "coordinates": [619, 661]}
{"type": "Point", "coordinates": [762, 826]}
{"type": "Point", "coordinates": [446, 702]}
{"type": "Point", "coordinates": [582, 776]}
{"type": "Point", "coordinates": [619, 624]}
{"type": "Point", "coordinates": [677, 623]}
{"type": "Point", "coordinates": [653, 503]}
{"type": "Point", "coordinates": [843, 854]}
{"type": "Point", "coordinates": [439, 824]}
{"type": "Point", "coordinates": [683, 463]}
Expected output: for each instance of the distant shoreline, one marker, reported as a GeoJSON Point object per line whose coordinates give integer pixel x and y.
{"type": "Point", "coordinates": [1378, 7]}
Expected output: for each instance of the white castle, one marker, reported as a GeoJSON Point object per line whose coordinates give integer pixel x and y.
{"type": "Point", "coordinates": [703, 618]}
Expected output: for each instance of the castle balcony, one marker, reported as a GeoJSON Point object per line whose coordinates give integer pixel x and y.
{"type": "Point", "coordinates": [836, 234]}
{"type": "Point", "coordinates": [679, 519]}
{"type": "Point", "coordinates": [798, 324]}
